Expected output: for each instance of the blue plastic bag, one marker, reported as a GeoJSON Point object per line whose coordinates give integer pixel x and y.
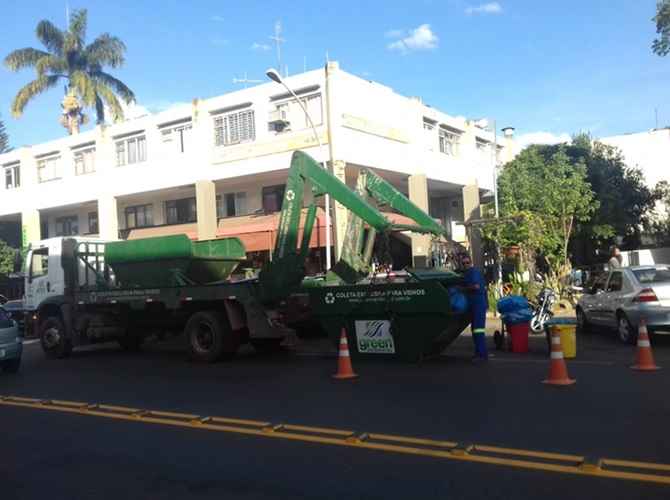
{"type": "Point", "coordinates": [516, 317]}
{"type": "Point", "coordinates": [458, 300]}
{"type": "Point", "coordinates": [512, 303]}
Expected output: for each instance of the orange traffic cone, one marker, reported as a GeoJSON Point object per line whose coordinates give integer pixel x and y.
{"type": "Point", "coordinates": [644, 358]}
{"type": "Point", "coordinates": [344, 369]}
{"type": "Point", "coordinates": [558, 372]}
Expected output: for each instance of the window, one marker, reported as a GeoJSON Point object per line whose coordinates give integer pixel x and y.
{"type": "Point", "coordinates": [39, 263]}
{"type": "Point", "coordinates": [93, 223]}
{"type": "Point", "coordinates": [234, 128]}
{"type": "Point", "coordinates": [615, 283]}
{"type": "Point", "coordinates": [48, 169]}
{"type": "Point", "coordinates": [139, 216]}
{"type": "Point", "coordinates": [231, 204]}
{"type": "Point", "coordinates": [448, 140]}
{"type": "Point", "coordinates": [429, 133]}
{"type": "Point", "coordinates": [177, 139]}
{"type": "Point", "coordinates": [295, 116]}
{"type": "Point", "coordinates": [482, 145]}
{"type": "Point", "coordinates": [131, 150]}
{"type": "Point", "coordinates": [67, 226]}
{"type": "Point", "coordinates": [12, 176]}
{"type": "Point", "coordinates": [84, 161]}
{"type": "Point", "coordinates": [181, 211]}
{"type": "Point", "coordinates": [652, 275]}
{"type": "Point", "coordinates": [272, 198]}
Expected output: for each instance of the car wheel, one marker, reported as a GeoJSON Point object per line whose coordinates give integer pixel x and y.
{"type": "Point", "coordinates": [626, 332]}
{"type": "Point", "coordinates": [53, 340]}
{"type": "Point", "coordinates": [11, 365]}
{"type": "Point", "coordinates": [582, 322]}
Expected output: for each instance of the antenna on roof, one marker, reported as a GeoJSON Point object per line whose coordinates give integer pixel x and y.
{"type": "Point", "coordinates": [278, 40]}
{"type": "Point", "coordinates": [246, 80]}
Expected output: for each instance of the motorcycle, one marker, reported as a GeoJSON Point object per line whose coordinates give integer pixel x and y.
{"type": "Point", "coordinates": [542, 309]}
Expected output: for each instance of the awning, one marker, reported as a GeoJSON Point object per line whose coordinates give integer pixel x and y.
{"type": "Point", "coordinates": [257, 232]}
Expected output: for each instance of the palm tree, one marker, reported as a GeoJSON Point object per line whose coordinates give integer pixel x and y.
{"type": "Point", "coordinates": [68, 58]}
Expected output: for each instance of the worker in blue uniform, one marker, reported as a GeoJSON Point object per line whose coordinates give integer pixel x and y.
{"type": "Point", "coordinates": [475, 287]}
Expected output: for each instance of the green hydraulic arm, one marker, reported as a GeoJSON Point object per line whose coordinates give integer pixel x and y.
{"type": "Point", "coordinates": [286, 269]}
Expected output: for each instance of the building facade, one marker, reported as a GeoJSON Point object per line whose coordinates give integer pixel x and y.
{"type": "Point", "coordinates": [218, 166]}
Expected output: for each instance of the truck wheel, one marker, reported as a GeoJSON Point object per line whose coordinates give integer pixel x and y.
{"type": "Point", "coordinates": [11, 365]}
{"type": "Point", "coordinates": [52, 337]}
{"type": "Point", "coordinates": [210, 337]}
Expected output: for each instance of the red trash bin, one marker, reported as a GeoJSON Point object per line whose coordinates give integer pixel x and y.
{"type": "Point", "coordinates": [519, 335]}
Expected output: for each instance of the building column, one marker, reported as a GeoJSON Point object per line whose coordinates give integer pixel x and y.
{"type": "Point", "coordinates": [108, 219]}
{"type": "Point", "coordinates": [30, 227]}
{"type": "Point", "coordinates": [205, 202]}
{"type": "Point", "coordinates": [418, 194]}
{"type": "Point", "coordinates": [337, 166]}
{"type": "Point", "coordinates": [471, 211]}
{"type": "Point", "coordinates": [509, 144]}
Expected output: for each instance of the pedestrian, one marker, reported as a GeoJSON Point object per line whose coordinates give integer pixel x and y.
{"type": "Point", "coordinates": [615, 259]}
{"type": "Point", "coordinates": [475, 287]}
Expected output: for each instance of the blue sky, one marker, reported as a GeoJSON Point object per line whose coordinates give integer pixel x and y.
{"type": "Point", "coordinates": [541, 66]}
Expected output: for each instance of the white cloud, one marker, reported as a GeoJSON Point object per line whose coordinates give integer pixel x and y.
{"type": "Point", "coordinates": [263, 47]}
{"type": "Point", "coordinates": [485, 8]}
{"type": "Point", "coordinates": [523, 140]}
{"type": "Point", "coordinates": [217, 19]}
{"type": "Point", "coordinates": [421, 38]}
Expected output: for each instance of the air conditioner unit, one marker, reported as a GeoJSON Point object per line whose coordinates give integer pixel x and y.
{"type": "Point", "coordinates": [278, 120]}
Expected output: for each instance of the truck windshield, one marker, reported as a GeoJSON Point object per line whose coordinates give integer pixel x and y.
{"type": "Point", "coordinates": [652, 275]}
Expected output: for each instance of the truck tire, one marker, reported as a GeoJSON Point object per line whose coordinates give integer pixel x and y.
{"type": "Point", "coordinates": [210, 337]}
{"type": "Point", "coordinates": [53, 340]}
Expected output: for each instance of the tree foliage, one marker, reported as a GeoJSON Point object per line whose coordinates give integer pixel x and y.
{"type": "Point", "coordinates": [7, 259]}
{"type": "Point", "coordinates": [661, 45]}
{"type": "Point", "coordinates": [68, 58]}
{"type": "Point", "coordinates": [625, 203]}
{"type": "Point", "coordinates": [542, 199]}
{"type": "Point", "coordinates": [4, 138]}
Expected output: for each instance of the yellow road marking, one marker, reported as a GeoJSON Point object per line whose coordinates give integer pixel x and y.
{"type": "Point", "coordinates": [510, 457]}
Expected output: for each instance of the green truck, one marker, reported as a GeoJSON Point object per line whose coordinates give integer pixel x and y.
{"type": "Point", "coordinates": [82, 291]}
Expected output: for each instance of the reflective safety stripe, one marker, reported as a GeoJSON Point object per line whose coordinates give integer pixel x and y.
{"type": "Point", "coordinates": [643, 343]}
{"type": "Point", "coordinates": [556, 340]}
{"type": "Point", "coordinates": [557, 355]}
{"type": "Point", "coordinates": [479, 330]}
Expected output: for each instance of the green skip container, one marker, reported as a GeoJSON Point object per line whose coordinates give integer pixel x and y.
{"type": "Point", "coordinates": [173, 261]}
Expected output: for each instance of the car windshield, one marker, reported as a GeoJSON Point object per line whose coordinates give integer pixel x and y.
{"type": "Point", "coordinates": [652, 275]}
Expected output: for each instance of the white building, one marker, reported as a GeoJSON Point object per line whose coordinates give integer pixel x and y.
{"type": "Point", "coordinates": [649, 151]}
{"type": "Point", "coordinates": [217, 167]}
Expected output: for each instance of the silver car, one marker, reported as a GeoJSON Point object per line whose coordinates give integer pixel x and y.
{"type": "Point", "coordinates": [11, 343]}
{"type": "Point", "coordinates": [620, 298]}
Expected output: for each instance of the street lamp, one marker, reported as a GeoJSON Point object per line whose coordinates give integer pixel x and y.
{"type": "Point", "coordinates": [274, 75]}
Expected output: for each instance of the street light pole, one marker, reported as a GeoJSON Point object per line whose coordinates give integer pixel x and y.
{"type": "Point", "coordinates": [274, 75]}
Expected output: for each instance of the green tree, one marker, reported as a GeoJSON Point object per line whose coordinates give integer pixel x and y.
{"type": "Point", "coordinates": [7, 259]}
{"type": "Point", "coordinates": [661, 45]}
{"type": "Point", "coordinates": [4, 138]}
{"type": "Point", "coordinates": [67, 57]}
{"type": "Point", "coordinates": [625, 203]}
{"type": "Point", "coordinates": [541, 202]}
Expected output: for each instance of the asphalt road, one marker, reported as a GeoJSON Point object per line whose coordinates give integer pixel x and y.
{"type": "Point", "coordinates": [611, 412]}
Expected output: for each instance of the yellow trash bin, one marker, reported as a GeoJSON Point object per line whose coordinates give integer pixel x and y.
{"type": "Point", "coordinates": [568, 334]}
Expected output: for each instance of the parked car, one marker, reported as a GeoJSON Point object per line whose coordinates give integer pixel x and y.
{"type": "Point", "coordinates": [16, 311]}
{"type": "Point", "coordinates": [11, 343]}
{"type": "Point", "coordinates": [619, 298]}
